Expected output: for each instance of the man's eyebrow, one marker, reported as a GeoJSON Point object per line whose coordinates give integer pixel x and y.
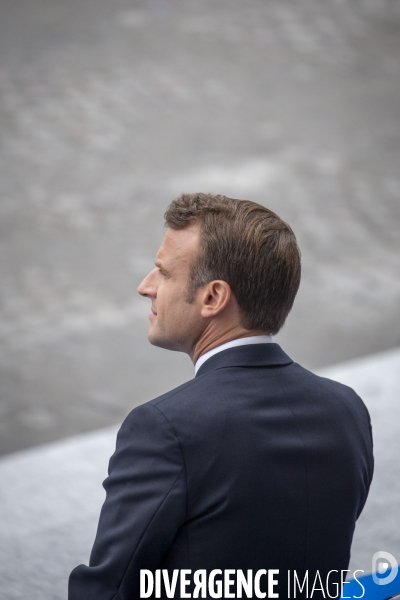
{"type": "Point", "coordinates": [159, 266]}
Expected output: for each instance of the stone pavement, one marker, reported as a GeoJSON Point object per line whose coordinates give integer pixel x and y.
{"type": "Point", "coordinates": [108, 110]}
{"type": "Point", "coordinates": [51, 496]}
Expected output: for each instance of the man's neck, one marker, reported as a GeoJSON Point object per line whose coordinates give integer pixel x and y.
{"type": "Point", "coordinates": [243, 341]}
{"type": "Point", "coordinates": [212, 339]}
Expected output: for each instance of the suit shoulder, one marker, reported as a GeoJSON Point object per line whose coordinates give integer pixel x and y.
{"type": "Point", "coordinates": [322, 381]}
{"type": "Point", "coordinates": [341, 391]}
{"type": "Point", "coordinates": [182, 392]}
{"type": "Point", "coordinates": [149, 410]}
{"type": "Point", "coordinates": [147, 421]}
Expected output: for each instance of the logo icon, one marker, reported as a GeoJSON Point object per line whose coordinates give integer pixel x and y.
{"type": "Point", "coordinates": [384, 568]}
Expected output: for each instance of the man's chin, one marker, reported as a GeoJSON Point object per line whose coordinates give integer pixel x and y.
{"type": "Point", "coordinates": [162, 341]}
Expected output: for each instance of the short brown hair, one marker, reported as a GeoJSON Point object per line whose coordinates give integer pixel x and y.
{"type": "Point", "coordinates": [249, 247]}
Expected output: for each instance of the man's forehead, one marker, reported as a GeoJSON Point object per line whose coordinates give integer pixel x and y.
{"type": "Point", "coordinates": [179, 244]}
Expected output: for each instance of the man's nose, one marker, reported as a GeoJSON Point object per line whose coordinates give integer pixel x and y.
{"type": "Point", "coordinates": [147, 287]}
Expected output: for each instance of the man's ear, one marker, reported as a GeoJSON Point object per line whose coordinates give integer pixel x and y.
{"type": "Point", "coordinates": [214, 297]}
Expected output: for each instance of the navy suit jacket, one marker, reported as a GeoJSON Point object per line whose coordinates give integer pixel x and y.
{"type": "Point", "coordinates": [256, 463]}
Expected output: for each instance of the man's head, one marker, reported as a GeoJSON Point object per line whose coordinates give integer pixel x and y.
{"type": "Point", "coordinates": [226, 261]}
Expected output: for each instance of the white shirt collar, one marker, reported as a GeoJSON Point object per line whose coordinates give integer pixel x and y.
{"type": "Point", "coordinates": [253, 339]}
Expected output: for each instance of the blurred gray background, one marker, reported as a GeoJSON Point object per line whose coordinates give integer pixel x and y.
{"type": "Point", "coordinates": [110, 109]}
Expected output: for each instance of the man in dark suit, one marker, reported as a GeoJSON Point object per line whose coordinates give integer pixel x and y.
{"type": "Point", "coordinates": [256, 465]}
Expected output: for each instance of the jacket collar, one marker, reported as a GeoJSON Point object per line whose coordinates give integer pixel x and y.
{"type": "Point", "coordinates": [252, 355]}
